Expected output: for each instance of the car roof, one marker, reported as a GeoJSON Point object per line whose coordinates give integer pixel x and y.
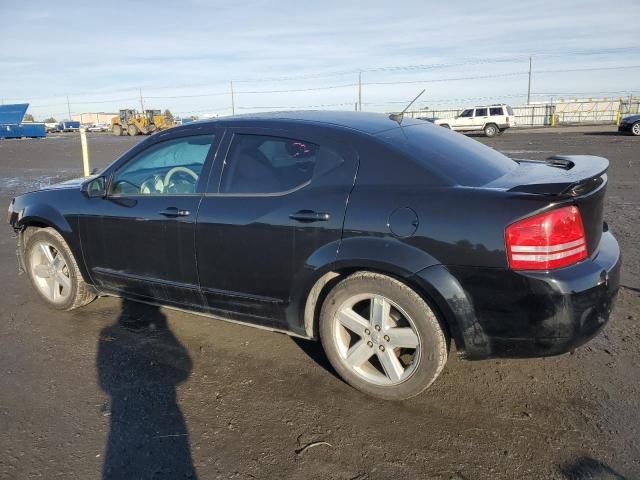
{"type": "Point", "coordinates": [369, 123]}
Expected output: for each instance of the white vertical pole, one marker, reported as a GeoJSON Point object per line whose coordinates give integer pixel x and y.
{"type": "Point", "coordinates": [359, 91]}
{"type": "Point", "coordinates": [529, 86]}
{"type": "Point", "coordinates": [233, 100]}
{"type": "Point", "coordinates": [85, 152]}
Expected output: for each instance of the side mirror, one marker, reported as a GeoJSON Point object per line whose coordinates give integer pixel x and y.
{"type": "Point", "coordinates": [96, 187]}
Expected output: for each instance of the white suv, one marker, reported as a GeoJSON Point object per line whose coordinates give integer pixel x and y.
{"type": "Point", "coordinates": [491, 119]}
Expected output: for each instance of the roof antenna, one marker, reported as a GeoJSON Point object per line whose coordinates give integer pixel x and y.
{"type": "Point", "coordinates": [397, 117]}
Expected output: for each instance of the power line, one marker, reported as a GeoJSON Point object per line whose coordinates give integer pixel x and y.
{"type": "Point", "coordinates": [393, 68]}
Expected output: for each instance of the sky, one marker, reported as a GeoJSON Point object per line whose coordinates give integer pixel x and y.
{"type": "Point", "coordinates": [182, 55]}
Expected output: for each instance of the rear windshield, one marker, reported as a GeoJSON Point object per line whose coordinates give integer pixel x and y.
{"type": "Point", "coordinates": [452, 156]}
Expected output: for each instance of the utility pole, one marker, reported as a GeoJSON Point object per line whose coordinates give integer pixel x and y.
{"type": "Point", "coordinates": [529, 88]}
{"type": "Point", "coordinates": [68, 107]}
{"type": "Point", "coordinates": [359, 91]}
{"type": "Point", "coordinates": [233, 100]}
{"type": "Point", "coordinates": [141, 102]}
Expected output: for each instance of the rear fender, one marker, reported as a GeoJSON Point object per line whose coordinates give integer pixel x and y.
{"type": "Point", "coordinates": [386, 255]}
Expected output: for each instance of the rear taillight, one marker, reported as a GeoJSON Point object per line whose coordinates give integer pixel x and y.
{"type": "Point", "coordinates": [548, 240]}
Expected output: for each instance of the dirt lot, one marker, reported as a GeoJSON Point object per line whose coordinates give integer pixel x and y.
{"type": "Point", "coordinates": [195, 397]}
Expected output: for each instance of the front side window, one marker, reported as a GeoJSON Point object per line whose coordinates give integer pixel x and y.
{"type": "Point", "coordinates": [495, 111]}
{"type": "Point", "coordinates": [481, 112]}
{"type": "Point", "coordinates": [168, 168]}
{"type": "Point", "coordinates": [467, 113]}
{"type": "Point", "coordinates": [258, 164]}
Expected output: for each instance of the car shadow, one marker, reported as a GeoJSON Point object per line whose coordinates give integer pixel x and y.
{"type": "Point", "coordinates": [140, 363]}
{"type": "Point", "coordinates": [586, 468]}
{"type": "Point", "coordinates": [315, 351]}
{"type": "Point", "coordinates": [604, 134]}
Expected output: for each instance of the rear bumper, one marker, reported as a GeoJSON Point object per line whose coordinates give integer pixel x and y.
{"type": "Point", "coordinates": [502, 313]}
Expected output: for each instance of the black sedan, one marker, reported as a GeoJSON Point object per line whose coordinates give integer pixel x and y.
{"type": "Point", "coordinates": [630, 124]}
{"type": "Point", "coordinates": [386, 239]}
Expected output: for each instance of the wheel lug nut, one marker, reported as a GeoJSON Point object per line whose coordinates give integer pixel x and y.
{"type": "Point", "coordinates": [367, 332]}
{"type": "Point", "coordinates": [381, 347]}
{"type": "Point", "coordinates": [386, 338]}
{"type": "Point", "coordinates": [370, 344]}
{"type": "Point", "coordinates": [377, 328]}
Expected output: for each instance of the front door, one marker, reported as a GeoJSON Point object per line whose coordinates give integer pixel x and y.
{"type": "Point", "coordinates": [279, 201]}
{"type": "Point", "coordinates": [139, 240]}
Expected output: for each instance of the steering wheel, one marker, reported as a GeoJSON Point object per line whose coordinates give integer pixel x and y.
{"type": "Point", "coordinates": [153, 184]}
{"type": "Point", "coordinates": [175, 170]}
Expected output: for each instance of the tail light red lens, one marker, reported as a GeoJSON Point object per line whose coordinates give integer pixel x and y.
{"type": "Point", "coordinates": [548, 240]}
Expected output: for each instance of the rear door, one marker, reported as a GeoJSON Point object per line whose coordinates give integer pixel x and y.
{"type": "Point", "coordinates": [480, 117]}
{"type": "Point", "coordinates": [277, 200]}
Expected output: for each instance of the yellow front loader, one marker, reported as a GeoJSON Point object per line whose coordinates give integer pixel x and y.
{"type": "Point", "coordinates": [131, 122]}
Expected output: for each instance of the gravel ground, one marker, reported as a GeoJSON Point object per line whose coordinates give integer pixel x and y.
{"type": "Point", "coordinates": [195, 397]}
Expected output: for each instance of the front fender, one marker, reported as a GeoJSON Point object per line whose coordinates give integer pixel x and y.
{"type": "Point", "coordinates": [39, 214]}
{"type": "Point", "coordinates": [24, 213]}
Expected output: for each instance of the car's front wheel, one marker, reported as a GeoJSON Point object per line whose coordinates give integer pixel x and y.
{"type": "Point", "coordinates": [53, 270]}
{"type": "Point", "coordinates": [635, 129]}
{"type": "Point", "coordinates": [382, 337]}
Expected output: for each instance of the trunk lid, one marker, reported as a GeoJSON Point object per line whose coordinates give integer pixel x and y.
{"type": "Point", "coordinates": [577, 179]}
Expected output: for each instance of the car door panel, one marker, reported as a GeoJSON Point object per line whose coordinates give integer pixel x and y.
{"type": "Point", "coordinates": [251, 247]}
{"type": "Point", "coordinates": [143, 244]}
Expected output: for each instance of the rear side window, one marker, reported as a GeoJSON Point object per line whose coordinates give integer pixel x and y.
{"type": "Point", "coordinates": [259, 164]}
{"type": "Point", "coordinates": [481, 112]}
{"type": "Point", "coordinates": [509, 110]}
{"type": "Point", "coordinates": [495, 111]}
{"type": "Point", "coordinates": [457, 159]}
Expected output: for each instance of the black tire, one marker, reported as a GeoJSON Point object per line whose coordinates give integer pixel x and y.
{"type": "Point", "coordinates": [80, 292]}
{"type": "Point", "coordinates": [433, 340]}
{"type": "Point", "coordinates": [132, 130]}
{"type": "Point", "coordinates": [117, 130]}
{"type": "Point", "coordinates": [445, 125]}
{"type": "Point", "coordinates": [491, 130]}
{"type": "Point", "coordinates": [635, 129]}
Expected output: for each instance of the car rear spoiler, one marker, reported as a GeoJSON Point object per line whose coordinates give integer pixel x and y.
{"type": "Point", "coordinates": [557, 175]}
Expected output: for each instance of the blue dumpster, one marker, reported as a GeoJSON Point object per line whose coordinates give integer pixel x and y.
{"type": "Point", "coordinates": [11, 125]}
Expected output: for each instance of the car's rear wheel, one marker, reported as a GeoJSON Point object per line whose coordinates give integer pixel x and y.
{"type": "Point", "coordinates": [446, 126]}
{"type": "Point", "coordinates": [53, 270]}
{"type": "Point", "coordinates": [381, 336]}
{"type": "Point", "coordinates": [635, 129]}
{"type": "Point", "coordinates": [491, 130]}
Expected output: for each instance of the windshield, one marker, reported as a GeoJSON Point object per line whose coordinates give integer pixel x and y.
{"type": "Point", "coordinates": [458, 159]}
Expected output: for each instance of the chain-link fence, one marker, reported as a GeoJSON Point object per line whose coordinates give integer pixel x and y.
{"type": "Point", "coordinates": [563, 112]}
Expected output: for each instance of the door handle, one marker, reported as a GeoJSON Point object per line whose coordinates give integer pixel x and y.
{"type": "Point", "coordinates": [174, 212]}
{"type": "Point", "coordinates": [308, 216]}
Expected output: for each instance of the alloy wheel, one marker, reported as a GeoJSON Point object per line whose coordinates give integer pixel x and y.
{"type": "Point", "coordinates": [50, 272]}
{"type": "Point", "coordinates": [376, 339]}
